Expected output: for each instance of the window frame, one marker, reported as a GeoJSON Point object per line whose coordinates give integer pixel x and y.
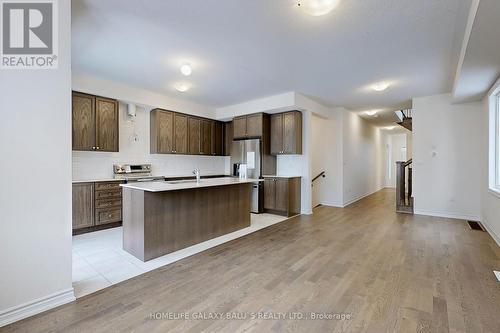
{"type": "Point", "coordinates": [494, 140]}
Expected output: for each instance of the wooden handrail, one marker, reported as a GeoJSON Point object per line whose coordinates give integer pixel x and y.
{"type": "Point", "coordinates": [322, 174]}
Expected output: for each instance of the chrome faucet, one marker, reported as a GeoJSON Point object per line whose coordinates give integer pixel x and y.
{"type": "Point", "coordinates": [197, 173]}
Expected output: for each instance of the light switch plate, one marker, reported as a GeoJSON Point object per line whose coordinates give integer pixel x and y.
{"type": "Point", "coordinates": [497, 274]}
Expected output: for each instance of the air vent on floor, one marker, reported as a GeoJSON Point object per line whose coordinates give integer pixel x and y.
{"type": "Point", "coordinates": [474, 225]}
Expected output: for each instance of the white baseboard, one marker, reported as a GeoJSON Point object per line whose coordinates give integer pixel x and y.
{"type": "Point", "coordinates": [360, 197]}
{"type": "Point", "coordinates": [490, 231]}
{"type": "Point", "coordinates": [447, 215]}
{"type": "Point", "coordinates": [37, 306]}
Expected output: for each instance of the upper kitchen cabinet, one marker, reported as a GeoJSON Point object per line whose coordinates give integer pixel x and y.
{"type": "Point", "coordinates": [249, 126]}
{"type": "Point", "coordinates": [95, 123]}
{"type": "Point", "coordinates": [228, 138]}
{"type": "Point", "coordinates": [194, 126]}
{"type": "Point", "coordinates": [286, 133]}
{"type": "Point", "coordinates": [206, 136]}
{"type": "Point", "coordinates": [169, 132]}
{"type": "Point", "coordinates": [106, 119]}
{"type": "Point", "coordinates": [217, 138]}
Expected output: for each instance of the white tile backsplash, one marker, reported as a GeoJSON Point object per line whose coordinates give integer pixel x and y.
{"type": "Point", "coordinates": [134, 148]}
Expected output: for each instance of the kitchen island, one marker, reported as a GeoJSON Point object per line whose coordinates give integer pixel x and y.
{"type": "Point", "coordinates": [165, 216]}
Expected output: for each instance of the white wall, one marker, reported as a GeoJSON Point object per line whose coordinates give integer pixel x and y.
{"type": "Point", "coordinates": [397, 145]}
{"type": "Point", "coordinates": [364, 159]}
{"type": "Point", "coordinates": [35, 196]}
{"type": "Point", "coordinates": [447, 158]}
{"type": "Point", "coordinates": [490, 201]}
{"type": "Point", "coordinates": [326, 151]}
{"type": "Point", "coordinates": [97, 165]}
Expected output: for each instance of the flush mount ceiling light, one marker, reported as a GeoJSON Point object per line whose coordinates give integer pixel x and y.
{"type": "Point", "coordinates": [390, 128]}
{"type": "Point", "coordinates": [380, 86]}
{"type": "Point", "coordinates": [186, 69]}
{"type": "Point", "coordinates": [371, 113]}
{"type": "Point", "coordinates": [317, 7]}
{"type": "Point", "coordinates": [182, 87]}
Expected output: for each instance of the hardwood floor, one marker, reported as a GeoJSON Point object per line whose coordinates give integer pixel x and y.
{"type": "Point", "coordinates": [391, 273]}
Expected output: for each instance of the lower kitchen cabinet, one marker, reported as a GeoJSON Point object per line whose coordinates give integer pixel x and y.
{"type": "Point", "coordinates": [96, 205]}
{"type": "Point", "coordinates": [282, 195]}
{"type": "Point", "coordinates": [83, 205]}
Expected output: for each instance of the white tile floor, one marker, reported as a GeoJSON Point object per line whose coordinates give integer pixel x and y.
{"type": "Point", "coordinates": [99, 260]}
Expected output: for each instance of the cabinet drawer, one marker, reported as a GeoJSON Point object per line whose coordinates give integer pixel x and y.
{"type": "Point", "coordinates": [103, 216]}
{"type": "Point", "coordinates": [108, 203]}
{"type": "Point", "coordinates": [107, 186]}
{"type": "Point", "coordinates": [108, 194]}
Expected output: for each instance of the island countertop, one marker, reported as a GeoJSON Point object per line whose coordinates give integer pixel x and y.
{"type": "Point", "coordinates": [162, 186]}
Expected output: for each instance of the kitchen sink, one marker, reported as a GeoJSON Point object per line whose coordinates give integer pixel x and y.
{"type": "Point", "coordinates": [181, 181]}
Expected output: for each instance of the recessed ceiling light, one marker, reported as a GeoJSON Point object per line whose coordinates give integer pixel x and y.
{"type": "Point", "coordinates": [317, 7]}
{"type": "Point", "coordinates": [381, 86]}
{"type": "Point", "coordinates": [371, 113]}
{"type": "Point", "coordinates": [182, 87]}
{"type": "Point", "coordinates": [186, 69]}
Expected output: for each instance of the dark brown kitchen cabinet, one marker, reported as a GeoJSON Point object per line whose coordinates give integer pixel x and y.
{"type": "Point", "coordinates": [162, 132]}
{"type": "Point", "coordinates": [180, 134]}
{"type": "Point", "coordinates": [96, 206]}
{"type": "Point", "coordinates": [83, 205]}
{"type": "Point", "coordinates": [286, 133]}
{"type": "Point", "coordinates": [94, 123]}
{"type": "Point", "coordinates": [228, 138]}
{"type": "Point", "coordinates": [194, 136]}
{"type": "Point", "coordinates": [282, 195]}
{"type": "Point", "coordinates": [217, 138]}
{"type": "Point", "coordinates": [249, 126]}
{"type": "Point", "coordinates": [169, 132]}
{"type": "Point", "coordinates": [206, 136]}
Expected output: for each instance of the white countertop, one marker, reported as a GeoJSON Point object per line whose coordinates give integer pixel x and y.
{"type": "Point", "coordinates": [111, 179]}
{"type": "Point", "coordinates": [162, 186]}
{"type": "Point", "coordinates": [281, 176]}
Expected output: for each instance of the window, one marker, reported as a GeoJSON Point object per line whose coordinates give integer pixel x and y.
{"type": "Point", "coordinates": [497, 142]}
{"type": "Point", "coordinates": [494, 140]}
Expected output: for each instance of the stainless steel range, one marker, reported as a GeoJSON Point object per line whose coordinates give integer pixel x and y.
{"type": "Point", "coordinates": [135, 172]}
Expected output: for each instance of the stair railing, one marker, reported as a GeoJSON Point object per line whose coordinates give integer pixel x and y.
{"type": "Point", "coordinates": [404, 188]}
{"type": "Point", "coordinates": [321, 174]}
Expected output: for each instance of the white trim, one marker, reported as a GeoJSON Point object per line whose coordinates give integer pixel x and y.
{"type": "Point", "coordinates": [36, 306]}
{"type": "Point", "coordinates": [360, 197]}
{"type": "Point", "coordinates": [494, 192]}
{"type": "Point", "coordinates": [490, 231]}
{"type": "Point", "coordinates": [448, 215]}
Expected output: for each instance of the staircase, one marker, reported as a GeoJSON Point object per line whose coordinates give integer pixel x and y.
{"type": "Point", "coordinates": [404, 198]}
{"type": "Point", "coordinates": [405, 119]}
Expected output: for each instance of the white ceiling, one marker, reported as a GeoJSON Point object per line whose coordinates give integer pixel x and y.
{"type": "Point", "coordinates": [246, 49]}
{"type": "Point", "coordinates": [480, 66]}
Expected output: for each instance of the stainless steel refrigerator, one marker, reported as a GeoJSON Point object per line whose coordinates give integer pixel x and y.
{"type": "Point", "coordinates": [249, 152]}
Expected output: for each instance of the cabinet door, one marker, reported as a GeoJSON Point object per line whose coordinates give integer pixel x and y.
{"type": "Point", "coordinates": [228, 138]}
{"type": "Point", "coordinates": [194, 136]}
{"type": "Point", "coordinates": [217, 138]}
{"type": "Point", "coordinates": [281, 197]}
{"type": "Point", "coordinates": [240, 127]}
{"type": "Point", "coordinates": [254, 125]}
{"type": "Point", "coordinates": [269, 193]}
{"type": "Point", "coordinates": [292, 133]}
{"type": "Point", "coordinates": [276, 134]}
{"type": "Point", "coordinates": [206, 137]}
{"type": "Point", "coordinates": [180, 134]}
{"type": "Point", "coordinates": [162, 132]}
{"type": "Point", "coordinates": [83, 114]}
{"type": "Point", "coordinates": [106, 124]}
{"type": "Point", "coordinates": [83, 205]}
